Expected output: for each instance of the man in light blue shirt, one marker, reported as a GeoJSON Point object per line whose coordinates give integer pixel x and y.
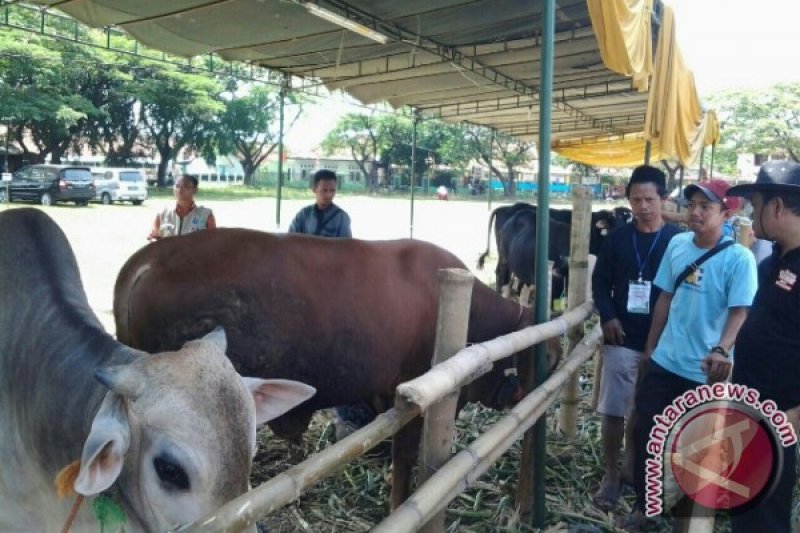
{"type": "Point", "coordinates": [695, 319]}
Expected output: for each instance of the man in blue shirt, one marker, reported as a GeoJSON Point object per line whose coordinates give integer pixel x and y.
{"type": "Point", "coordinates": [695, 322]}
{"type": "Point", "coordinates": [623, 292]}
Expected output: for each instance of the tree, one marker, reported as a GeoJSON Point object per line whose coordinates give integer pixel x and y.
{"type": "Point", "coordinates": [179, 110]}
{"type": "Point", "coordinates": [478, 142]}
{"type": "Point", "coordinates": [45, 92]}
{"type": "Point", "coordinates": [360, 134]}
{"type": "Point", "coordinates": [250, 126]}
{"type": "Point", "coordinates": [763, 121]}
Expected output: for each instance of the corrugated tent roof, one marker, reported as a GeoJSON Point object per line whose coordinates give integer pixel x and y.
{"type": "Point", "coordinates": [460, 60]}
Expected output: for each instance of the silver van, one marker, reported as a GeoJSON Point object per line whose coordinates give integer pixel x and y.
{"type": "Point", "coordinates": [120, 185]}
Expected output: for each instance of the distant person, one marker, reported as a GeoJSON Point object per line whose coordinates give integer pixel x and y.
{"type": "Point", "coordinates": [326, 219]}
{"type": "Point", "coordinates": [442, 193]}
{"type": "Point", "coordinates": [323, 218]}
{"type": "Point", "coordinates": [768, 345]}
{"type": "Point", "coordinates": [623, 291]}
{"type": "Point", "coordinates": [185, 216]}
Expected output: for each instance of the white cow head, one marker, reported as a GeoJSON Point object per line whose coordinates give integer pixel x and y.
{"type": "Point", "coordinates": [177, 431]}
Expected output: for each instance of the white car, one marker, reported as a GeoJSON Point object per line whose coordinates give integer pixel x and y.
{"type": "Point", "coordinates": [120, 185]}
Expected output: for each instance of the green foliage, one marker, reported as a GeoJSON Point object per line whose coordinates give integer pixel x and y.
{"type": "Point", "coordinates": [765, 121]}
{"type": "Point", "coordinates": [250, 125]}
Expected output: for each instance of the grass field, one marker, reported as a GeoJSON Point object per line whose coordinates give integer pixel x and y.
{"type": "Point", "coordinates": [103, 237]}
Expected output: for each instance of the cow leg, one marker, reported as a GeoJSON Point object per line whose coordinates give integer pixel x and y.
{"type": "Point", "coordinates": [405, 448]}
{"type": "Point", "coordinates": [526, 293]}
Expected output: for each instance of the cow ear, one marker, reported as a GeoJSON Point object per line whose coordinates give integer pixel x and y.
{"type": "Point", "coordinates": [274, 397]}
{"type": "Point", "coordinates": [105, 448]}
{"type": "Point", "coordinates": [125, 380]}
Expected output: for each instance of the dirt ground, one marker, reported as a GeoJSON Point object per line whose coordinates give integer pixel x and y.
{"type": "Point", "coordinates": [103, 237]}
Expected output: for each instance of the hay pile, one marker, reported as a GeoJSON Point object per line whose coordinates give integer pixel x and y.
{"type": "Point", "coordinates": [355, 497]}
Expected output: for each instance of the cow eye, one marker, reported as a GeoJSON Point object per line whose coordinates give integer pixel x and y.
{"type": "Point", "coordinates": [171, 473]}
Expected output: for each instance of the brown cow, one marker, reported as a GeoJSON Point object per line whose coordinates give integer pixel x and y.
{"type": "Point", "coordinates": [351, 318]}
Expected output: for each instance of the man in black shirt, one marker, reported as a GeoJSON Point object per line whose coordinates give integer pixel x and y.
{"type": "Point", "coordinates": [768, 345]}
{"type": "Point", "coordinates": [624, 295]}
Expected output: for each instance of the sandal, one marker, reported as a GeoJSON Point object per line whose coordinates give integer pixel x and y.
{"type": "Point", "coordinates": [607, 496]}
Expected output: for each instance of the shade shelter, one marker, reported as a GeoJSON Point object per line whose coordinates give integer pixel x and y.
{"type": "Point", "coordinates": [581, 69]}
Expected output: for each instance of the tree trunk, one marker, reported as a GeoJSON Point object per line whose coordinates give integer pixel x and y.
{"type": "Point", "coordinates": [163, 164]}
{"type": "Point", "coordinates": [671, 172]}
{"type": "Point", "coordinates": [249, 169]}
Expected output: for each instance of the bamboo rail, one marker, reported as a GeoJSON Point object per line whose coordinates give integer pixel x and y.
{"type": "Point", "coordinates": [477, 359]}
{"type": "Point", "coordinates": [469, 464]}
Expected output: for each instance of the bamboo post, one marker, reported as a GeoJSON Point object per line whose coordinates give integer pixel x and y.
{"type": "Point", "coordinates": [745, 233]}
{"type": "Point", "coordinates": [469, 464]}
{"type": "Point", "coordinates": [576, 295]}
{"type": "Point", "coordinates": [451, 336]}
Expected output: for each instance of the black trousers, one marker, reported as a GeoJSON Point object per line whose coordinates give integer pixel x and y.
{"type": "Point", "coordinates": [774, 514]}
{"type": "Point", "coordinates": [657, 388]}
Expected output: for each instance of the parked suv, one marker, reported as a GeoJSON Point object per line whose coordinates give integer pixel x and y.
{"type": "Point", "coordinates": [48, 184]}
{"type": "Point", "coordinates": [120, 185]}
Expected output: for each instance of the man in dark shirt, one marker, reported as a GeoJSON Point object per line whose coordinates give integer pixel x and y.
{"type": "Point", "coordinates": [323, 218]}
{"type": "Point", "coordinates": [768, 345]}
{"type": "Point", "coordinates": [624, 295]}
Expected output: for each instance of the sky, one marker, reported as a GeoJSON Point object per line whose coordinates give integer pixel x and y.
{"type": "Point", "coordinates": [728, 44]}
{"type": "Point", "coordinates": [732, 44]}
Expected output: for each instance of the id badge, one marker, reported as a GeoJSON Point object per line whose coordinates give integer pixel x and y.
{"type": "Point", "coordinates": [639, 297]}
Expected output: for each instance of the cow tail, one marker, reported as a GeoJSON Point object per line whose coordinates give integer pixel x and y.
{"type": "Point", "coordinates": [484, 255]}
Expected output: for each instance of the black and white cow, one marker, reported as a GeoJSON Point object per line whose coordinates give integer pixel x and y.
{"type": "Point", "coordinates": [515, 236]}
{"type": "Point", "coordinates": [170, 437]}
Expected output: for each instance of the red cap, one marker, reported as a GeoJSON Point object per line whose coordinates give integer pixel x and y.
{"type": "Point", "coordinates": [714, 190]}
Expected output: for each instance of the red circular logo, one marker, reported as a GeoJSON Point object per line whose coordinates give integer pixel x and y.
{"type": "Point", "coordinates": [722, 457]}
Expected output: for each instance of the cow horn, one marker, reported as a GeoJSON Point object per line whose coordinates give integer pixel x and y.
{"type": "Point", "coordinates": [122, 380]}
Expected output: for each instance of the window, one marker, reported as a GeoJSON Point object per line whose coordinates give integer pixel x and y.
{"type": "Point", "coordinates": [130, 176]}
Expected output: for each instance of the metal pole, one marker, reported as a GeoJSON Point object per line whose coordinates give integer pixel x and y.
{"type": "Point", "coordinates": [284, 88]}
{"type": "Point", "coordinates": [8, 134]}
{"type": "Point", "coordinates": [647, 147]}
{"type": "Point", "coordinates": [491, 149]}
{"type": "Point", "coordinates": [413, 170]}
{"type": "Point", "coordinates": [533, 447]}
{"type": "Point", "coordinates": [680, 186]}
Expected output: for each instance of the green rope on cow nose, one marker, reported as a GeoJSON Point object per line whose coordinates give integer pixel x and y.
{"type": "Point", "coordinates": [108, 513]}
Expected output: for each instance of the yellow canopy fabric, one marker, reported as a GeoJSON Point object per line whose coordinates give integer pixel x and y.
{"type": "Point", "coordinates": [614, 151]}
{"type": "Point", "coordinates": [675, 119]}
{"type": "Point", "coordinates": [623, 32]}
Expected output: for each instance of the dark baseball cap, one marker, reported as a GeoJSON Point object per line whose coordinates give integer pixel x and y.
{"type": "Point", "coordinates": [773, 176]}
{"type": "Point", "coordinates": [716, 191]}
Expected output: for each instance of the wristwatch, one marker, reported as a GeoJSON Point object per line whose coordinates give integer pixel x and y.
{"type": "Point", "coordinates": [720, 350]}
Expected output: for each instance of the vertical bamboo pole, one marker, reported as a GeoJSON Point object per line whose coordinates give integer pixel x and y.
{"type": "Point", "coordinates": [745, 233]}
{"type": "Point", "coordinates": [451, 336]}
{"type": "Point", "coordinates": [576, 295]}
{"type": "Point", "coordinates": [647, 148]}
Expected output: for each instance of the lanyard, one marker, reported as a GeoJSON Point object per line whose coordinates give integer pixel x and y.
{"type": "Point", "coordinates": [641, 264]}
